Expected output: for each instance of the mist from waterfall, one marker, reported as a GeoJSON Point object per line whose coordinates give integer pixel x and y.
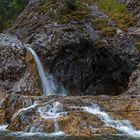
{"type": "Point", "coordinates": [50, 87]}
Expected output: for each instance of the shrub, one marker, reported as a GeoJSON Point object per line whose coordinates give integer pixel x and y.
{"type": "Point", "coordinates": [70, 4]}
{"type": "Point", "coordinates": [9, 9]}
{"type": "Point", "coordinates": [137, 44]}
{"type": "Point", "coordinates": [108, 31]}
{"type": "Point", "coordinates": [73, 10]}
{"type": "Point", "coordinates": [117, 12]}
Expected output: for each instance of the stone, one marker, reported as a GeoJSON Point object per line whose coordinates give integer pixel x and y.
{"type": "Point", "coordinates": [15, 76]}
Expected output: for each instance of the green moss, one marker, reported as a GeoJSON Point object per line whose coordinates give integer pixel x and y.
{"type": "Point", "coordinates": [108, 31]}
{"type": "Point", "coordinates": [9, 10]}
{"type": "Point", "coordinates": [46, 5]}
{"type": "Point", "coordinates": [69, 10]}
{"type": "Point", "coordinates": [116, 11]}
{"type": "Point", "coordinates": [99, 23]}
{"type": "Point", "coordinates": [8, 23]}
{"type": "Point", "coordinates": [77, 11]}
{"type": "Point", "coordinates": [137, 44]}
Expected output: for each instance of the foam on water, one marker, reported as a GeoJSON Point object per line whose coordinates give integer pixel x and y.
{"type": "Point", "coordinates": [122, 125]}
{"type": "Point", "coordinates": [24, 109]}
{"type": "Point", "coordinates": [40, 134]}
{"type": "Point", "coordinates": [51, 111]}
{"type": "Point", "coordinates": [3, 127]}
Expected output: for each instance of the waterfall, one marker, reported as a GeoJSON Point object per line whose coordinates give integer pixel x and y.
{"type": "Point", "coordinates": [123, 126]}
{"type": "Point", "coordinates": [48, 84]}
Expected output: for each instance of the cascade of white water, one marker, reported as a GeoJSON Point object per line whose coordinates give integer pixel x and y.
{"type": "Point", "coordinates": [52, 111]}
{"type": "Point", "coordinates": [3, 127]}
{"type": "Point", "coordinates": [56, 126]}
{"type": "Point", "coordinates": [123, 126]}
{"type": "Point", "coordinates": [24, 109]}
{"type": "Point", "coordinates": [48, 84]}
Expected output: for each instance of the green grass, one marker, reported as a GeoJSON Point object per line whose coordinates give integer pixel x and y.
{"type": "Point", "coordinates": [108, 31]}
{"type": "Point", "coordinates": [9, 10]}
{"type": "Point", "coordinates": [79, 11]}
{"type": "Point", "coordinates": [69, 10]}
{"type": "Point", "coordinates": [137, 44]}
{"type": "Point", "coordinates": [116, 11]}
{"type": "Point", "coordinates": [99, 23]}
{"type": "Point", "coordinates": [46, 5]}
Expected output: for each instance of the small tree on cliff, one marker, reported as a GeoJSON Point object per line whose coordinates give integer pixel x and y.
{"type": "Point", "coordinates": [68, 7]}
{"type": "Point", "coordinates": [70, 4]}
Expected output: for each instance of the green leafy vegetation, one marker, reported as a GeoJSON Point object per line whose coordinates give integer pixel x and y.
{"type": "Point", "coordinates": [73, 10]}
{"type": "Point", "coordinates": [46, 5]}
{"type": "Point", "coordinates": [137, 44]}
{"type": "Point", "coordinates": [99, 23]}
{"type": "Point", "coordinates": [9, 10]}
{"type": "Point", "coordinates": [77, 9]}
{"type": "Point", "coordinates": [116, 11]}
{"type": "Point", "coordinates": [69, 9]}
{"type": "Point", "coordinates": [108, 31]}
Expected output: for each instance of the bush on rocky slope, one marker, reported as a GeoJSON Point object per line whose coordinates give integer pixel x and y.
{"type": "Point", "coordinates": [9, 9]}
{"type": "Point", "coordinates": [116, 11]}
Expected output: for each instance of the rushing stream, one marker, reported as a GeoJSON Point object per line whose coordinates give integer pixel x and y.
{"type": "Point", "coordinates": [55, 109]}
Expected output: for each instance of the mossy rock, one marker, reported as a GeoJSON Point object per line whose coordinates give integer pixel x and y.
{"type": "Point", "coordinates": [117, 12]}
{"type": "Point", "coordinates": [137, 44]}
{"type": "Point", "coordinates": [78, 11]}
{"type": "Point", "coordinates": [108, 31]}
{"type": "Point", "coordinates": [99, 23]}
{"type": "Point", "coordinates": [46, 5]}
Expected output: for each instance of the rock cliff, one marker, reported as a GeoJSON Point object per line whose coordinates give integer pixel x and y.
{"type": "Point", "coordinates": [87, 49]}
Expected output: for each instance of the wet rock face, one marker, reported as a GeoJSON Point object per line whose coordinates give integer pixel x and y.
{"type": "Point", "coordinates": [81, 123]}
{"type": "Point", "coordinates": [14, 74]}
{"type": "Point", "coordinates": [83, 66]}
{"type": "Point", "coordinates": [86, 69]}
{"type": "Point", "coordinates": [134, 82]}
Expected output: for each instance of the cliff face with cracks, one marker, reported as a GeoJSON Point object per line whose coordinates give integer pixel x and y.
{"type": "Point", "coordinates": [87, 50]}
{"type": "Point", "coordinates": [15, 75]}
